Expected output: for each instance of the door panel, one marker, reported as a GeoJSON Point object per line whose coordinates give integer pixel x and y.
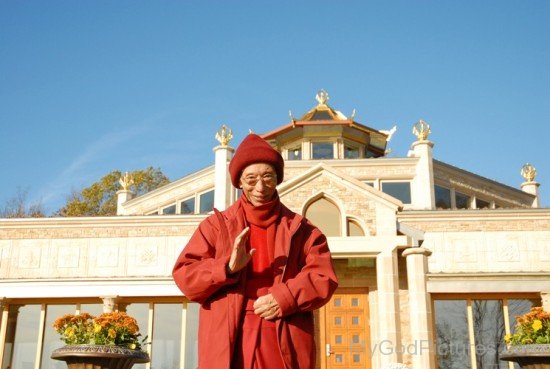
{"type": "Point", "coordinates": [346, 330]}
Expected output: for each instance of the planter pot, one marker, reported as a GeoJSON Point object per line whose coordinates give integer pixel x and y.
{"type": "Point", "coordinates": [528, 356]}
{"type": "Point", "coordinates": [99, 356]}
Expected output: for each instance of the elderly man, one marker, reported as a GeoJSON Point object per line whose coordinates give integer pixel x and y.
{"type": "Point", "coordinates": [258, 270]}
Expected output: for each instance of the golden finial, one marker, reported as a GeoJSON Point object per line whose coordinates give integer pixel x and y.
{"type": "Point", "coordinates": [322, 97]}
{"type": "Point", "coordinates": [224, 135]}
{"type": "Point", "coordinates": [528, 172]}
{"type": "Point", "coordinates": [126, 181]}
{"type": "Point", "coordinates": [421, 130]}
{"type": "Point", "coordinates": [353, 114]}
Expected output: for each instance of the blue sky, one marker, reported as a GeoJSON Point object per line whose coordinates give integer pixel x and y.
{"type": "Point", "coordinates": [87, 87]}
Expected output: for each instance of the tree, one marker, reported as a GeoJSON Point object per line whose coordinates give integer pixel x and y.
{"type": "Point", "coordinates": [17, 207]}
{"type": "Point", "coordinates": [101, 199]}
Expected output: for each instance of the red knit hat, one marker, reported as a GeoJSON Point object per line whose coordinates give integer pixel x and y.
{"type": "Point", "coordinates": [254, 149]}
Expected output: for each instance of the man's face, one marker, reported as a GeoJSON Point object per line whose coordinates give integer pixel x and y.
{"type": "Point", "coordinates": [258, 182]}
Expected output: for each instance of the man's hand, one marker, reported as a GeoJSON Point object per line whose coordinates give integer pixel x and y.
{"type": "Point", "coordinates": [267, 307]}
{"type": "Point", "coordinates": [239, 257]}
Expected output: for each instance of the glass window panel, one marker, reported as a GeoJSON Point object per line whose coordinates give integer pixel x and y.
{"type": "Point", "coordinates": [338, 339]}
{"type": "Point", "coordinates": [207, 202]}
{"type": "Point", "coordinates": [140, 311]}
{"type": "Point", "coordinates": [166, 342]}
{"type": "Point", "coordinates": [442, 197]}
{"type": "Point", "coordinates": [354, 229]}
{"type": "Point", "coordinates": [323, 150]}
{"type": "Point", "coordinates": [369, 154]}
{"type": "Point", "coordinates": [356, 358]}
{"type": "Point", "coordinates": [355, 338]}
{"type": "Point", "coordinates": [355, 320]}
{"type": "Point", "coordinates": [295, 153]}
{"type": "Point", "coordinates": [187, 206]}
{"type": "Point", "coordinates": [462, 201]}
{"type": "Point", "coordinates": [21, 336]}
{"type": "Point", "coordinates": [351, 152]}
{"type": "Point", "coordinates": [169, 210]}
{"type": "Point", "coordinates": [355, 301]}
{"type": "Point", "coordinates": [51, 337]}
{"type": "Point", "coordinates": [337, 320]}
{"type": "Point", "coordinates": [488, 320]}
{"type": "Point", "coordinates": [451, 330]}
{"type": "Point", "coordinates": [339, 358]}
{"type": "Point", "coordinates": [480, 204]}
{"type": "Point", "coordinates": [338, 302]}
{"type": "Point", "coordinates": [191, 336]}
{"type": "Point", "coordinates": [325, 215]}
{"type": "Point", "coordinates": [399, 190]}
{"type": "Point", "coordinates": [517, 308]}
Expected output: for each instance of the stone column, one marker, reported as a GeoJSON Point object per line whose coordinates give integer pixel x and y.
{"type": "Point", "coordinates": [389, 337]}
{"type": "Point", "coordinates": [420, 308]}
{"type": "Point", "coordinates": [122, 197]}
{"type": "Point", "coordinates": [223, 189]}
{"type": "Point", "coordinates": [532, 187]}
{"type": "Point", "coordinates": [545, 297]}
{"type": "Point", "coordinates": [110, 303]}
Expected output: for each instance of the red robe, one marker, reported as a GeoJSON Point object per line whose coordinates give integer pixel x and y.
{"type": "Point", "coordinates": [303, 280]}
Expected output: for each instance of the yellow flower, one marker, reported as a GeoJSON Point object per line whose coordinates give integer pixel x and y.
{"type": "Point", "coordinates": [69, 332]}
{"type": "Point", "coordinates": [97, 328]}
{"type": "Point", "coordinates": [132, 346]}
{"type": "Point", "coordinates": [507, 338]}
{"type": "Point", "coordinates": [111, 333]}
{"type": "Point", "coordinates": [537, 325]}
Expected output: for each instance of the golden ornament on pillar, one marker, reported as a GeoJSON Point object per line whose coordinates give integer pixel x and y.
{"type": "Point", "coordinates": [528, 172]}
{"type": "Point", "coordinates": [224, 135]}
{"type": "Point", "coordinates": [421, 130]}
{"type": "Point", "coordinates": [126, 181]}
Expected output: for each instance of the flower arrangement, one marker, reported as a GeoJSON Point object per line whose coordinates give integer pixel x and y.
{"type": "Point", "coordinates": [114, 328]}
{"type": "Point", "coordinates": [531, 328]}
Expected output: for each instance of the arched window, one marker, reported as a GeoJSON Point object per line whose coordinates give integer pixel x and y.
{"type": "Point", "coordinates": [325, 215]}
{"type": "Point", "coordinates": [354, 229]}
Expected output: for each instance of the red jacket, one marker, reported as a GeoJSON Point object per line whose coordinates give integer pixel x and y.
{"type": "Point", "coordinates": [304, 281]}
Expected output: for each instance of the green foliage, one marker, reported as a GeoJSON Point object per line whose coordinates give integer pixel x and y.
{"type": "Point", "coordinates": [100, 198]}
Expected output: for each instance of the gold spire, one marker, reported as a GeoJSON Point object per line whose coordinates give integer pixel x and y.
{"type": "Point", "coordinates": [421, 130]}
{"type": "Point", "coordinates": [126, 181]}
{"type": "Point", "coordinates": [322, 97]}
{"type": "Point", "coordinates": [528, 172]}
{"type": "Point", "coordinates": [224, 135]}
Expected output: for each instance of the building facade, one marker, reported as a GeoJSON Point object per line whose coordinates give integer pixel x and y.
{"type": "Point", "coordinates": [434, 261]}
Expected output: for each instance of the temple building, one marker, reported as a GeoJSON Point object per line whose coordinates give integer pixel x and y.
{"type": "Point", "coordinates": [434, 261]}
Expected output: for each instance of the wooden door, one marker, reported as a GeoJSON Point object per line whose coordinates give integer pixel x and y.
{"type": "Point", "coordinates": [345, 337]}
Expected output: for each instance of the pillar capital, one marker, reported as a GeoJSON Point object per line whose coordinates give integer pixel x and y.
{"type": "Point", "coordinates": [110, 303]}
{"type": "Point", "coordinates": [417, 251]}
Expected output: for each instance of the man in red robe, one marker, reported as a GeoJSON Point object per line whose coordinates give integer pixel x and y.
{"type": "Point", "coordinates": [258, 270]}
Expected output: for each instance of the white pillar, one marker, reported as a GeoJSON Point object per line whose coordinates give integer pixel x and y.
{"type": "Point", "coordinates": [423, 195]}
{"type": "Point", "coordinates": [223, 189]}
{"type": "Point", "coordinates": [389, 336]}
{"type": "Point", "coordinates": [420, 308]}
{"type": "Point", "coordinates": [110, 303]}
{"type": "Point", "coordinates": [122, 197]}
{"type": "Point", "coordinates": [532, 187]}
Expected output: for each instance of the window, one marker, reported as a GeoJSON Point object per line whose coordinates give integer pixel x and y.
{"type": "Point", "coordinates": [442, 197]}
{"type": "Point", "coordinates": [354, 229]}
{"type": "Point", "coordinates": [187, 206]}
{"type": "Point", "coordinates": [170, 210]}
{"type": "Point", "coordinates": [454, 318]}
{"type": "Point", "coordinates": [369, 154]}
{"type": "Point", "coordinates": [462, 201]}
{"type": "Point", "coordinates": [351, 152]}
{"type": "Point", "coordinates": [22, 336]}
{"type": "Point", "coordinates": [166, 341]}
{"type": "Point", "coordinates": [206, 201]}
{"type": "Point", "coordinates": [399, 190]}
{"type": "Point", "coordinates": [325, 215]}
{"type": "Point", "coordinates": [481, 204]}
{"type": "Point", "coordinates": [323, 150]}
{"type": "Point", "coordinates": [295, 153]}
